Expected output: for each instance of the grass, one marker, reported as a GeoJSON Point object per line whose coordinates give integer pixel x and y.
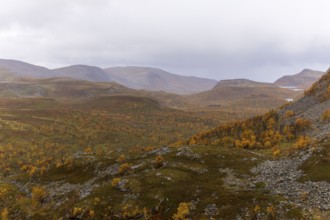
{"type": "Point", "coordinates": [317, 168]}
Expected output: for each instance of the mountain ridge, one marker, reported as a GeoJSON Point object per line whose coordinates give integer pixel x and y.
{"type": "Point", "coordinates": [301, 80]}
{"type": "Point", "coordinates": [147, 78]}
{"type": "Point", "coordinates": [155, 79]}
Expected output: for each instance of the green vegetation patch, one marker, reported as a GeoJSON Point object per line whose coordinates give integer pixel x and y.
{"type": "Point", "coordinates": [317, 168]}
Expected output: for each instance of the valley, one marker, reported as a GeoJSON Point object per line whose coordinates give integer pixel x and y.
{"type": "Point", "coordinates": [91, 148]}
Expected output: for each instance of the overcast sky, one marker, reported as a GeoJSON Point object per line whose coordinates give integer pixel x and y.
{"type": "Point", "coordinates": [220, 39]}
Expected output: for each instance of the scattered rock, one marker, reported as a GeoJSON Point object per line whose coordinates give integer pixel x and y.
{"type": "Point", "coordinates": [280, 177]}
{"type": "Point", "coordinates": [187, 152]}
{"type": "Point", "coordinates": [160, 151]}
{"type": "Point", "coordinates": [211, 210]}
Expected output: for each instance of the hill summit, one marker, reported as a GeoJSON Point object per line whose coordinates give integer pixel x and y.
{"type": "Point", "coordinates": [302, 80]}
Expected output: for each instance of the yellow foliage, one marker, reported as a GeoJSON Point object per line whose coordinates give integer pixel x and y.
{"type": "Point", "coordinates": [59, 164]}
{"type": "Point", "coordinates": [257, 209]}
{"type": "Point", "coordinates": [5, 214]}
{"type": "Point", "coordinates": [88, 150]}
{"type": "Point", "coordinates": [248, 139]}
{"type": "Point", "coordinates": [271, 210]}
{"type": "Point", "coordinates": [121, 158]}
{"type": "Point", "coordinates": [77, 211]}
{"type": "Point", "coordinates": [147, 214]}
{"type": "Point", "coordinates": [38, 195]}
{"type": "Point", "coordinates": [129, 211]}
{"type": "Point", "coordinates": [193, 141]}
{"type": "Point", "coordinates": [276, 152]}
{"type": "Point", "coordinates": [326, 116]}
{"type": "Point", "coordinates": [43, 170]}
{"type": "Point", "coordinates": [303, 141]}
{"type": "Point", "coordinates": [159, 160]}
{"type": "Point", "coordinates": [182, 211]}
{"type": "Point", "coordinates": [124, 168]}
{"type": "Point", "coordinates": [96, 200]}
{"type": "Point", "coordinates": [289, 114]}
{"type": "Point", "coordinates": [24, 167]}
{"type": "Point", "coordinates": [3, 191]}
{"type": "Point", "coordinates": [302, 123]}
{"type": "Point", "coordinates": [271, 123]}
{"type": "Point", "coordinates": [91, 213]}
{"type": "Point", "coordinates": [32, 170]}
{"type": "Point", "coordinates": [115, 182]}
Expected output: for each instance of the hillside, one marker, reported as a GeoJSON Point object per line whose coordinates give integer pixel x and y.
{"type": "Point", "coordinates": [306, 116]}
{"type": "Point", "coordinates": [17, 69]}
{"type": "Point", "coordinates": [243, 92]}
{"type": "Point", "coordinates": [302, 80]}
{"type": "Point", "coordinates": [83, 72]}
{"type": "Point", "coordinates": [298, 135]}
{"type": "Point", "coordinates": [158, 80]}
{"type": "Point", "coordinates": [124, 157]}
{"type": "Point", "coordinates": [60, 88]}
{"type": "Point", "coordinates": [315, 106]}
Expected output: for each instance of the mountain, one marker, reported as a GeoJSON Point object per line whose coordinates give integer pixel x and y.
{"type": "Point", "coordinates": [13, 69]}
{"type": "Point", "coordinates": [84, 72]}
{"type": "Point", "coordinates": [133, 77]}
{"type": "Point", "coordinates": [302, 80]}
{"type": "Point", "coordinates": [244, 92]}
{"type": "Point", "coordinates": [158, 80]}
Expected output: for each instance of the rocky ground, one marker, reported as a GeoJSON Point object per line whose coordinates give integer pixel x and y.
{"type": "Point", "coordinates": [281, 177]}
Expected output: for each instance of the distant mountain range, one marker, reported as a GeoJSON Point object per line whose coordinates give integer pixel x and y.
{"type": "Point", "coordinates": [133, 77]}
{"type": "Point", "coordinates": [302, 80]}
{"type": "Point", "coordinates": [19, 79]}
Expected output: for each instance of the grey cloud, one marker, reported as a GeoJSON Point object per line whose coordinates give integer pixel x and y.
{"type": "Point", "coordinates": [254, 39]}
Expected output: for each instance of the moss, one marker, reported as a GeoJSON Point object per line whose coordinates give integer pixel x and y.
{"type": "Point", "coordinates": [317, 167]}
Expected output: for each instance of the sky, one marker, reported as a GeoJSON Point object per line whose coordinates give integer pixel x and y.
{"type": "Point", "coordinates": [219, 39]}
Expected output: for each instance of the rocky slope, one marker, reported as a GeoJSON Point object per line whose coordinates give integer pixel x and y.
{"type": "Point", "coordinates": [313, 106]}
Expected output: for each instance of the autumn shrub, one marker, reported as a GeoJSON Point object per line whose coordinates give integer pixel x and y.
{"type": "Point", "coordinates": [5, 214]}
{"type": "Point", "coordinates": [326, 116]}
{"type": "Point", "coordinates": [88, 150]}
{"type": "Point", "coordinates": [115, 182]}
{"type": "Point", "coordinates": [130, 211]}
{"type": "Point", "coordinates": [182, 211]}
{"type": "Point", "coordinates": [124, 168]}
{"type": "Point", "coordinates": [121, 158]}
{"type": "Point", "coordinates": [39, 194]}
{"type": "Point", "coordinates": [276, 152]}
{"type": "Point", "coordinates": [301, 124]}
{"type": "Point", "coordinates": [159, 161]}
{"type": "Point", "coordinates": [77, 211]}
{"type": "Point", "coordinates": [289, 114]}
{"type": "Point", "coordinates": [256, 209]}
{"type": "Point", "coordinates": [271, 211]}
{"type": "Point", "coordinates": [303, 141]}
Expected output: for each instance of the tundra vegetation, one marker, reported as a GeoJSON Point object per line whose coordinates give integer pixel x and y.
{"type": "Point", "coordinates": [136, 159]}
